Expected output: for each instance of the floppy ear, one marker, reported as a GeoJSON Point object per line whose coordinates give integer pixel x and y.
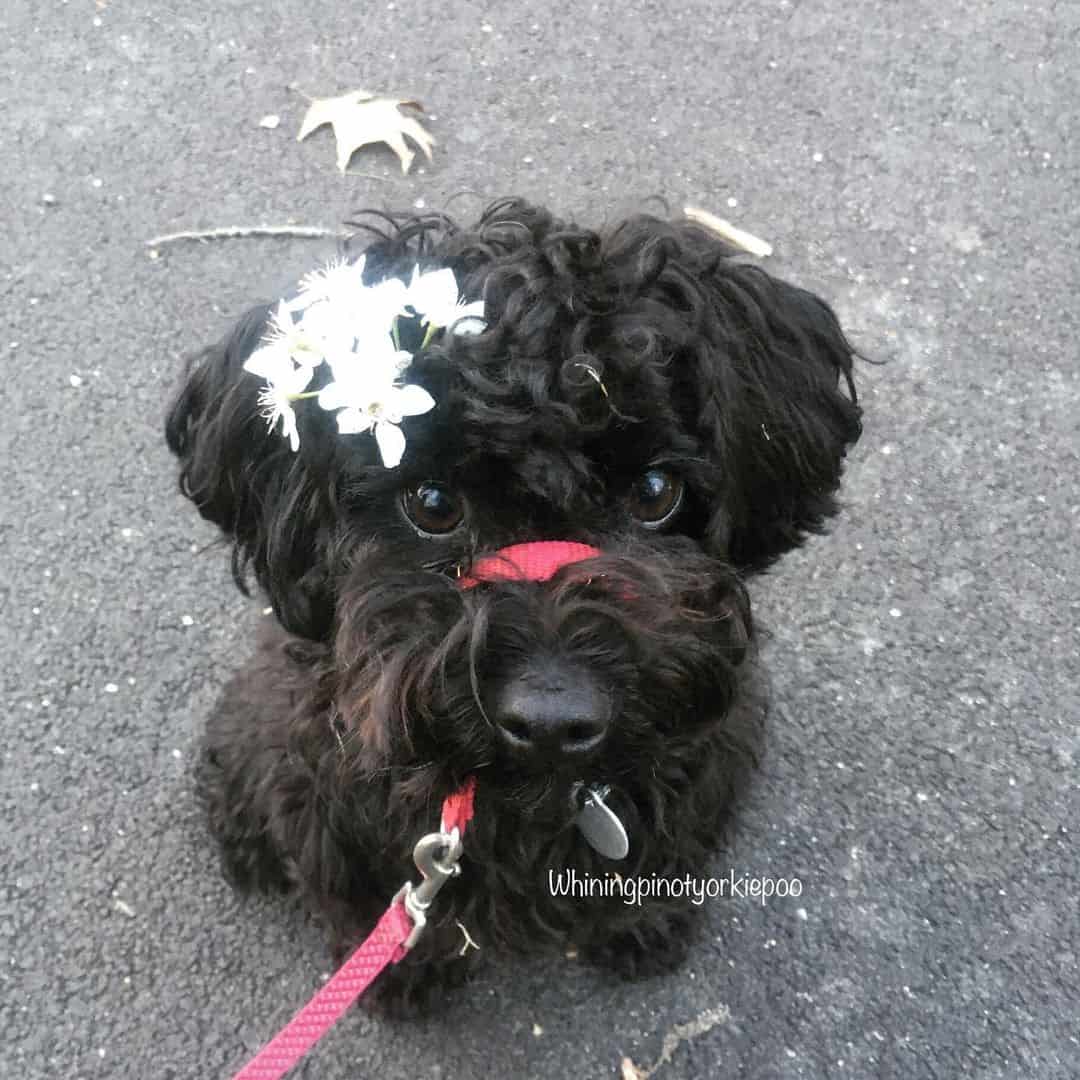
{"type": "Point", "coordinates": [247, 481]}
{"type": "Point", "coordinates": [779, 405]}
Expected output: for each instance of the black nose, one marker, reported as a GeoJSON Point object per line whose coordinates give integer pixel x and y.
{"type": "Point", "coordinates": [557, 714]}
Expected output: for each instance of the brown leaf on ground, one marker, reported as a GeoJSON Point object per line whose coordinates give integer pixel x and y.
{"type": "Point", "coordinates": [359, 118]}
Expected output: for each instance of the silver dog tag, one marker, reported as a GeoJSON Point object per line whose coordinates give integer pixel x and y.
{"type": "Point", "coordinates": [601, 827]}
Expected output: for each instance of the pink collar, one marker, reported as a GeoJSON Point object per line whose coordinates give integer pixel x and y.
{"type": "Point", "coordinates": [537, 561]}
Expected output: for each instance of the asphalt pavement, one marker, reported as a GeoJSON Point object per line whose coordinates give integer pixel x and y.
{"type": "Point", "coordinates": [917, 164]}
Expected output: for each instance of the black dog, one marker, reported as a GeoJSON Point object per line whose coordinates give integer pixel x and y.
{"type": "Point", "coordinates": [642, 390]}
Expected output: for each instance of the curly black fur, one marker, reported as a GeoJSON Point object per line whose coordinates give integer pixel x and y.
{"type": "Point", "coordinates": [606, 354]}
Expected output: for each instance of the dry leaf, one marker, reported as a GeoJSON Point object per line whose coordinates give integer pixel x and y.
{"type": "Point", "coordinates": [701, 1024]}
{"type": "Point", "coordinates": [732, 233]}
{"type": "Point", "coordinates": [360, 118]}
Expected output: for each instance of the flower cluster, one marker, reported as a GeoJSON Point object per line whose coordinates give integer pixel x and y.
{"type": "Point", "coordinates": [337, 320]}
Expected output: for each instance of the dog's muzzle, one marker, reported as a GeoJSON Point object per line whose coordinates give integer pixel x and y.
{"type": "Point", "coordinates": [552, 713]}
{"type": "Point", "coordinates": [555, 715]}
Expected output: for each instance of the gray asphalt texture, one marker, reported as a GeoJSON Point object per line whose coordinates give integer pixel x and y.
{"type": "Point", "coordinates": [917, 164]}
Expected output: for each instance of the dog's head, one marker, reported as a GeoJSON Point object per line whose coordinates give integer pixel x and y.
{"type": "Point", "coordinates": [640, 390]}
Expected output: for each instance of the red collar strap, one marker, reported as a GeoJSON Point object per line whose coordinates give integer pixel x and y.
{"type": "Point", "coordinates": [538, 561]}
{"type": "Point", "coordinates": [457, 809]}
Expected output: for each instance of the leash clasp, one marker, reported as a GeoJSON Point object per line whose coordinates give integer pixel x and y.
{"type": "Point", "coordinates": [436, 856]}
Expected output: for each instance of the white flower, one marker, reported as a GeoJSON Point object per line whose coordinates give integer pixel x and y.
{"type": "Point", "coordinates": [283, 382]}
{"type": "Point", "coordinates": [301, 341]}
{"type": "Point", "coordinates": [343, 311]}
{"type": "Point", "coordinates": [337, 282]}
{"type": "Point", "coordinates": [366, 391]}
{"type": "Point", "coordinates": [389, 295]}
{"type": "Point", "coordinates": [371, 359]}
{"type": "Point", "coordinates": [435, 296]}
{"type": "Point", "coordinates": [340, 286]}
{"type": "Point", "coordinates": [383, 409]}
{"type": "Point", "coordinates": [337, 320]}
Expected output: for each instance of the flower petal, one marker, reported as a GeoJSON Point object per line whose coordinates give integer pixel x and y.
{"type": "Point", "coordinates": [468, 325]}
{"type": "Point", "coordinates": [288, 428]}
{"type": "Point", "coordinates": [411, 400]}
{"type": "Point", "coordinates": [391, 444]}
{"type": "Point", "coordinates": [338, 281]}
{"type": "Point", "coordinates": [335, 395]}
{"type": "Point", "coordinates": [376, 352]}
{"type": "Point", "coordinates": [475, 310]}
{"type": "Point", "coordinates": [388, 296]}
{"type": "Point", "coordinates": [270, 362]}
{"type": "Point", "coordinates": [297, 381]}
{"type": "Point", "coordinates": [434, 294]}
{"type": "Point", "coordinates": [353, 422]}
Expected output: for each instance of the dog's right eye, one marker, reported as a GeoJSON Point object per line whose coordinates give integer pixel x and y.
{"type": "Point", "coordinates": [656, 497]}
{"type": "Point", "coordinates": [432, 509]}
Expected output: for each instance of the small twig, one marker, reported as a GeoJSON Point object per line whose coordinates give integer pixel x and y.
{"type": "Point", "coordinates": [595, 375]}
{"type": "Point", "coordinates": [235, 232]}
{"type": "Point", "coordinates": [469, 943]}
{"type": "Point", "coordinates": [368, 176]}
{"type": "Point", "coordinates": [295, 88]}
{"type": "Point", "coordinates": [731, 233]}
{"type": "Point", "coordinates": [336, 729]}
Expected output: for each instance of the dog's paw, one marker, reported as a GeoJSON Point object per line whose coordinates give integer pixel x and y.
{"type": "Point", "coordinates": [644, 951]}
{"type": "Point", "coordinates": [249, 860]}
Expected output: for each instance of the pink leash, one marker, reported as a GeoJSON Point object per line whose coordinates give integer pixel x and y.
{"type": "Point", "coordinates": [436, 856]}
{"type": "Point", "coordinates": [395, 933]}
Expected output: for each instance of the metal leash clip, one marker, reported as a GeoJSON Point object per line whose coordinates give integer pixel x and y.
{"type": "Point", "coordinates": [436, 856]}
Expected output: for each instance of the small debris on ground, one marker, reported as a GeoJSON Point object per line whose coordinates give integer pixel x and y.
{"type": "Point", "coordinates": [680, 1033]}
{"type": "Point", "coordinates": [124, 909]}
{"type": "Point", "coordinates": [731, 233]}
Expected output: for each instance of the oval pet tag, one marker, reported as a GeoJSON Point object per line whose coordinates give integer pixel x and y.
{"type": "Point", "coordinates": [601, 827]}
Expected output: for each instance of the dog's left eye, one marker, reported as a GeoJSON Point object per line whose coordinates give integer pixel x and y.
{"type": "Point", "coordinates": [656, 497]}
{"type": "Point", "coordinates": [432, 508]}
